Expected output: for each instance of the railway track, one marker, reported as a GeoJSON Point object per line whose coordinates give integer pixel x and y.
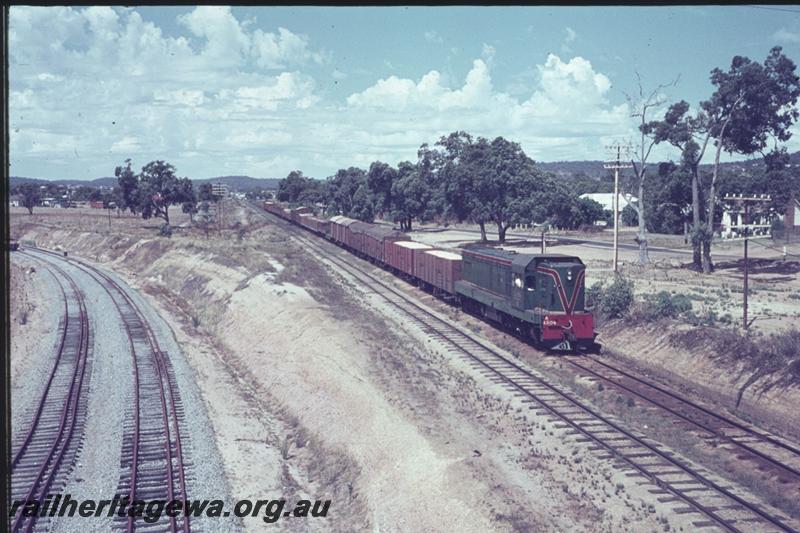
{"type": "Point", "coordinates": [152, 465]}
{"type": "Point", "coordinates": [691, 488]}
{"type": "Point", "coordinates": [43, 456]}
{"type": "Point", "coordinates": [771, 455]}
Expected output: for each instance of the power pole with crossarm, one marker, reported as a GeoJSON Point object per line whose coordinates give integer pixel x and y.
{"type": "Point", "coordinates": [616, 162]}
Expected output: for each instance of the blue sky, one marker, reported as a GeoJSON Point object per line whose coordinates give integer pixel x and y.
{"type": "Point", "coordinates": [265, 90]}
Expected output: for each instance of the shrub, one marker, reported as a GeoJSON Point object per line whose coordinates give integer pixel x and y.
{"type": "Point", "coordinates": [594, 294]}
{"type": "Point", "coordinates": [628, 216]}
{"type": "Point", "coordinates": [666, 305]}
{"type": "Point", "coordinates": [707, 318]}
{"type": "Point", "coordinates": [616, 299]}
{"type": "Point", "coordinates": [165, 230]}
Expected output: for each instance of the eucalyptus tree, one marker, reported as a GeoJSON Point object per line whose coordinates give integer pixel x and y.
{"type": "Point", "coordinates": [752, 103]}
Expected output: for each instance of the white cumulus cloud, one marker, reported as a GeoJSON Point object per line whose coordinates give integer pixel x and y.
{"type": "Point", "coordinates": [218, 95]}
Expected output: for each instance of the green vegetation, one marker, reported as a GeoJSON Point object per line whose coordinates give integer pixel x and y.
{"type": "Point", "coordinates": [459, 179]}
{"type": "Point", "coordinates": [154, 190]}
{"type": "Point", "coordinates": [613, 300]}
{"type": "Point", "coordinates": [753, 104]}
{"type": "Point", "coordinates": [666, 305]}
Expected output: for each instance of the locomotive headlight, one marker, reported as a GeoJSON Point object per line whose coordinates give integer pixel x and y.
{"type": "Point", "coordinates": [569, 275]}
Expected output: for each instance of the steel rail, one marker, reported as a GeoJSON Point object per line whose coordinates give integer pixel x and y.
{"type": "Point", "coordinates": [685, 402]}
{"type": "Point", "coordinates": [162, 376]}
{"type": "Point", "coordinates": [70, 412]}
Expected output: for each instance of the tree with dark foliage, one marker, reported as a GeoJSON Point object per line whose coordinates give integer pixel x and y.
{"type": "Point", "coordinates": [128, 184]}
{"type": "Point", "coordinates": [752, 104]}
{"type": "Point", "coordinates": [154, 190]}
{"type": "Point", "coordinates": [30, 196]}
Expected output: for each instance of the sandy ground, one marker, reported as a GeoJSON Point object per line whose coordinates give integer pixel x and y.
{"type": "Point", "coordinates": [27, 291]}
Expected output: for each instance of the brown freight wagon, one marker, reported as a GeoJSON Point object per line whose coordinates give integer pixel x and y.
{"type": "Point", "coordinates": [297, 211]}
{"type": "Point", "coordinates": [273, 208]}
{"type": "Point", "coordinates": [322, 225]}
{"type": "Point", "coordinates": [340, 229]}
{"type": "Point", "coordinates": [356, 236]}
{"type": "Point", "coordinates": [370, 239]}
{"type": "Point", "coordinates": [438, 269]}
{"type": "Point", "coordinates": [400, 255]}
{"type": "Point", "coordinates": [315, 224]}
{"type": "Point", "coordinates": [305, 221]}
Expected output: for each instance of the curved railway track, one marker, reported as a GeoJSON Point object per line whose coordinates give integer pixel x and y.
{"type": "Point", "coordinates": [152, 464]}
{"type": "Point", "coordinates": [674, 479]}
{"type": "Point", "coordinates": [45, 454]}
{"type": "Point", "coordinates": [770, 454]}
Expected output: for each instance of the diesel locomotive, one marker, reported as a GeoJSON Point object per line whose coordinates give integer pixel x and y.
{"type": "Point", "coordinates": [540, 296]}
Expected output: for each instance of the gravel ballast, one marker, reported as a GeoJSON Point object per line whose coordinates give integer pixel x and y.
{"type": "Point", "coordinates": [97, 470]}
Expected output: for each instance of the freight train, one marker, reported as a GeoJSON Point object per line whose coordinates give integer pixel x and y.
{"type": "Point", "coordinates": [540, 296]}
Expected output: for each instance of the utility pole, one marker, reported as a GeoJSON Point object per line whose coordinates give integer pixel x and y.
{"type": "Point", "coordinates": [744, 202]}
{"type": "Point", "coordinates": [616, 163]}
{"type": "Point", "coordinates": [220, 190]}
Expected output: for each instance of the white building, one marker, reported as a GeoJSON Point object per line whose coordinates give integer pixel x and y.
{"type": "Point", "coordinates": [606, 199]}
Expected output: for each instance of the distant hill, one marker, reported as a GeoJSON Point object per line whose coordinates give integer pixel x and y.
{"type": "Point", "coordinates": [594, 169]}
{"type": "Point", "coordinates": [591, 170]}
{"type": "Point", "coordinates": [564, 169]}
{"type": "Point", "coordinates": [235, 183]}
{"type": "Point", "coordinates": [98, 182]}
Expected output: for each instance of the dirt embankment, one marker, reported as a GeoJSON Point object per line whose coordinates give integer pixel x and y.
{"type": "Point", "coordinates": [687, 358]}
{"type": "Point", "coordinates": [313, 395]}
{"type": "Point", "coordinates": [32, 326]}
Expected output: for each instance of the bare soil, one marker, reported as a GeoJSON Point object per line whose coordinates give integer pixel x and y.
{"type": "Point", "coordinates": [31, 333]}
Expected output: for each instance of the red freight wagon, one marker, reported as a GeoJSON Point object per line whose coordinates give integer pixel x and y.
{"type": "Point", "coordinates": [322, 226]}
{"type": "Point", "coordinates": [297, 211]}
{"type": "Point", "coordinates": [273, 208]}
{"type": "Point", "coordinates": [439, 269]}
{"type": "Point", "coordinates": [96, 205]}
{"type": "Point", "coordinates": [371, 239]}
{"type": "Point", "coordinates": [314, 224]}
{"type": "Point", "coordinates": [340, 229]}
{"type": "Point", "coordinates": [305, 221]}
{"type": "Point", "coordinates": [356, 237]}
{"type": "Point", "coordinates": [400, 255]}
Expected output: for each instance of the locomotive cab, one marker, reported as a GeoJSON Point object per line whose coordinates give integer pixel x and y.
{"type": "Point", "coordinates": [551, 287]}
{"type": "Point", "coordinates": [541, 296]}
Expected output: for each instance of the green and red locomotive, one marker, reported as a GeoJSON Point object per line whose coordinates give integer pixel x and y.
{"type": "Point", "coordinates": [541, 296]}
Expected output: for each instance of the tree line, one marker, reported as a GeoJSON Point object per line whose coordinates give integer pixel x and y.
{"type": "Point", "coordinates": [459, 178]}
{"type": "Point", "coordinates": [482, 181]}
